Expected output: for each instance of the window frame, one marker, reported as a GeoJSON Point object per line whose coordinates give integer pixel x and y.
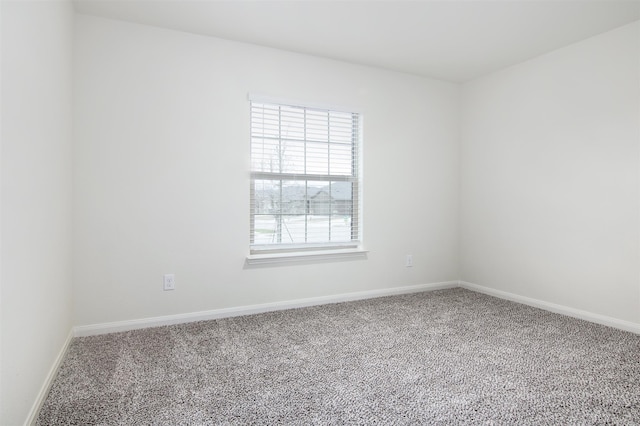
{"type": "Point", "coordinates": [269, 253]}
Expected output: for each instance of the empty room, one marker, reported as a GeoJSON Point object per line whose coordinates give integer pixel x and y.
{"type": "Point", "coordinates": [319, 212]}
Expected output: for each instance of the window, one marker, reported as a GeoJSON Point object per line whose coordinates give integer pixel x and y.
{"type": "Point", "coordinates": [305, 187]}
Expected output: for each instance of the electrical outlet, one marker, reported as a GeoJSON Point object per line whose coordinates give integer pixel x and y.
{"type": "Point", "coordinates": [169, 282]}
{"type": "Point", "coordinates": [409, 261]}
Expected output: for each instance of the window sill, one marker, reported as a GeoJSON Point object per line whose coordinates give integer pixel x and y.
{"type": "Point", "coordinates": [302, 257]}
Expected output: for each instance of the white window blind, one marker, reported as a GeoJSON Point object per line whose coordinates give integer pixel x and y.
{"type": "Point", "coordinates": [305, 188]}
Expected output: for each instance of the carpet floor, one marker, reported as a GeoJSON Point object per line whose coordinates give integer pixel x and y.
{"type": "Point", "coordinates": [442, 357]}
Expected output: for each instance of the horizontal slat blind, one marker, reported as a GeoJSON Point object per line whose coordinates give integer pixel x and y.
{"type": "Point", "coordinates": [304, 177]}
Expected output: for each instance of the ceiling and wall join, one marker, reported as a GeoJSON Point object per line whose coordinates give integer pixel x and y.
{"type": "Point", "coordinates": [450, 40]}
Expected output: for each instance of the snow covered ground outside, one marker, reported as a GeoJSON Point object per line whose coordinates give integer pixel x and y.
{"type": "Point", "coordinates": [335, 228]}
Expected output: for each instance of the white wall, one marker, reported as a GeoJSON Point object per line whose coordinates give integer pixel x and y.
{"type": "Point", "coordinates": [549, 177]}
{"type": "Point", "coordinates": [161, 172]}
{"type": "Point", "coordinates": [36, 270]}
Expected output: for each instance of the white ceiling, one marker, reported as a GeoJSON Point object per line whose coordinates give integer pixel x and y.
{"type": "Point", "coordinates": [450, 40]}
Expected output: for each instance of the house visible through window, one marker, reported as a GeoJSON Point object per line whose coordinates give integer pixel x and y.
{"type": "Point", "coordinates": [305, 188]}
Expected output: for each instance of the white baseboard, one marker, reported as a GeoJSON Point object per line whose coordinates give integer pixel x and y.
{"type": "Point", "coordinates": [113, 327]}
{"type": "Point", "coordinates": [44, 390]}
{"type": "Point", "coordinates": [559, 309]}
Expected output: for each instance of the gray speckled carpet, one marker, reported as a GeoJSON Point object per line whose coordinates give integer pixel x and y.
{"type": "Point", "coordinates": [442, 357]}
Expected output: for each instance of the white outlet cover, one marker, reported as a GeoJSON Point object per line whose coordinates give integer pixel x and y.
{"type": "Point", "coordinates": [169, 282]}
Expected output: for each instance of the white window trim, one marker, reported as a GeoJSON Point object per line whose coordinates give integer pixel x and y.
{"type": "Point", "coordinates": [333, 251]}
{"type": "Point", "coordinates": [256, 97]}
{"type": "Point", "coordinates": [306, 256]}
